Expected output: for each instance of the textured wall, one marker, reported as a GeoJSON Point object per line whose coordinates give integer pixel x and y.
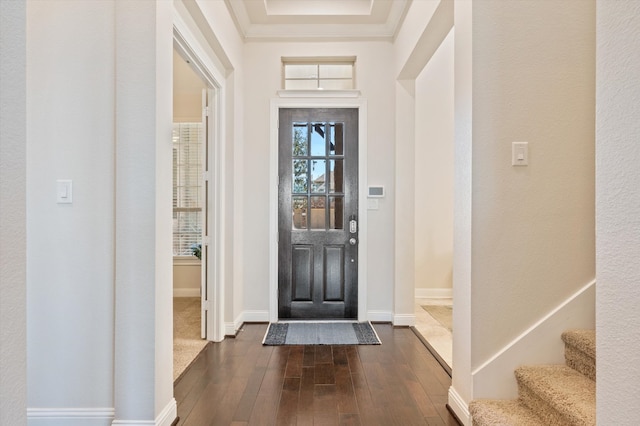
{"type": "Point", "coordinates": [13, 316]}
{"type": "Point", "coordinates": [618, 212]}
{"type": "Point", "coordinates": [533, 228]}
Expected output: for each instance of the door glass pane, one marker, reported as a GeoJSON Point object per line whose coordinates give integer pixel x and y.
{"type": "Point", "coordinates": [318, 217]}
{"type": "Point", "coordinates": [336, 212]}
{"type": "Point", "coordinates": [300, 142]}
{"type": "Point", "coordinates": [317, 139]}
{"type": "Point", "coordinates": [300, 184]}
{"type": "Point", "coordinates": [336, 176]}
{"type": "Point", "coordinates": [318, 173]}
{"type": "Point", "coordinates": [299, 212]}
{"type": "Point", "coordinates": [336, 139]}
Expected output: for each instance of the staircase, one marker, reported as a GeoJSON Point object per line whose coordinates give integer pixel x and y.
{"type": "Point", "coordinates": [549, 394]}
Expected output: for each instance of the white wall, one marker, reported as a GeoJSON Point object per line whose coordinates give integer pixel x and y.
{"type": "Point", "coordinates": [618, 212]}
{"type": "Point", "coordinates": [434, 171]}
{"type": "Point", "coordinates": [13, 317]}
{"type": "Point", "coordinates": [70, 247]}
{"type": "Point", "coordinates": [262, 79]}
{"type": "Point", "coordinates": [99, 269]}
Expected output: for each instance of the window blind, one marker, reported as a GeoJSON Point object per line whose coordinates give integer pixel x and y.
{"type": "Point", "coordinates": [187, 187]}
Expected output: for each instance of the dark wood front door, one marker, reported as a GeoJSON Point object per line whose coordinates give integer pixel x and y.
{"type": "Point", "coordinates": [317, 220]}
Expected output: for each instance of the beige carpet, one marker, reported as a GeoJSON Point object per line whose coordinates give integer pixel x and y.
{"type": "Point", "coordinates": [187, 343]}
{"type": "Point", "coordinates": [441, 313]}
{"type": "Point", "coordinates": [549, 394]}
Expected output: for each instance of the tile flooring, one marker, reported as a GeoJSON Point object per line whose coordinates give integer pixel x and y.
{"type": "Point", "coordinates": [433, 332]}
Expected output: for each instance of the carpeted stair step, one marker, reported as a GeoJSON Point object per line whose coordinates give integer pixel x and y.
{"type": "Point", "coordinates": [580, 351]}
{"type": "Point", "coordinates": [494, 412]}
{"type": "Point", "coordinates": [558, 394]}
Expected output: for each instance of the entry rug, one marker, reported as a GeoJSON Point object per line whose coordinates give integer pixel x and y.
{"type": "Point", "coordinates": [320, 333]}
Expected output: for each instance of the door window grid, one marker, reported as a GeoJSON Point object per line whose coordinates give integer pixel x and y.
{"type": "Point", "coordinates": [187, 187]}
{"type": "Point", "coordinates": [318, 156]}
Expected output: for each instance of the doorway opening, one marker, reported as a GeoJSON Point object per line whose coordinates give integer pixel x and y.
{"type": "Point", "coordinates": [433, 216]}
{"type": "Point", "coordinates": [189, 146]}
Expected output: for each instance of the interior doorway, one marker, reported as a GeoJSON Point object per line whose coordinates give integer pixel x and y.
{"type": "Point", "coordinates": [434, 201]}
{"type": "Point", "coordinates": [190, 191]}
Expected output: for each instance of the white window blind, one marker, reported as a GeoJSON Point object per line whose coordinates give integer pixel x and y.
{"type": "Point", "coordinates": [187, 187]}
{"type": "Point", "coordinates": [318, 73]}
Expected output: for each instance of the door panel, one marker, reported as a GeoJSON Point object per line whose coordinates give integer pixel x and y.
{"type": "Point", "coordinates": [318, 195]}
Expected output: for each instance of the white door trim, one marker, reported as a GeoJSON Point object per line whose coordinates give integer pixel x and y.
{"type": "Point", "coordinates": [309, 101]}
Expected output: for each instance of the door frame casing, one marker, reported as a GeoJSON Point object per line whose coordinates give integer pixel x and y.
{"type": "Point", "coordinates": [318, 100]}
{"type": "Point", "coordinates": [186, 44]}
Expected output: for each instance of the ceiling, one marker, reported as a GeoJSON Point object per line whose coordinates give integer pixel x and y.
{"type": "Point", "coordinates": [318, 19]}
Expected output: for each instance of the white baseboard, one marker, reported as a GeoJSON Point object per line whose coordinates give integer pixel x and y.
{"type": "Point", "coordinates": [230, 329]}
{"type": "Point", "coordinates": [540, 344]}
{"type": "Point", "coordinates": [255, 316]}
{"type": "Point", "coordinates": [186, 292]}
{"type": "Point", "coordinates": [459, 406]}
{"type": "Point", "coordinates": [434, 293]}
{"type": "Point", "coordinates": [70, 416]}
{"type": "Point", "coordinates": [168, 415]}
{"type": "Point", "coordinates": [379, 316]}
{"type": "Point", "coordinates": [404, 320]}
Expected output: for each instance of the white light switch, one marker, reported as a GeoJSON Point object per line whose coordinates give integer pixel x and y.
{"type": "Point", "coordinates": [64, 191]}
{"type": "Point", "coordinates": [520, 153]}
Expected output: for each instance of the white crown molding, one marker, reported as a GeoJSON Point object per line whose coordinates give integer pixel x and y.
{"type": "Point", "coordinates": [273, 32]}
{"type": "Point", "coordinates": [319, 31]}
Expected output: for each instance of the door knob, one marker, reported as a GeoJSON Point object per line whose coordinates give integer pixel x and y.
{"type": "Point", "coordinates": [352, 241]}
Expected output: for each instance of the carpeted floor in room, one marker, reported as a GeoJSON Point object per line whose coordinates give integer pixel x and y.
{"type": "Point", "coordinates": [187, 343]}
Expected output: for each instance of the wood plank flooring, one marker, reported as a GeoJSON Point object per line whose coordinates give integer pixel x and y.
{"type": "Point", "coordinates": [241, 382]}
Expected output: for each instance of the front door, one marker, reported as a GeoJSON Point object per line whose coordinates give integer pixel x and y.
{"type": "Point", "coordinates": [317, 220]}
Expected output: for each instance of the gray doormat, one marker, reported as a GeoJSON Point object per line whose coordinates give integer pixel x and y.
{"type": "Point", "coordinates": [320, 333]}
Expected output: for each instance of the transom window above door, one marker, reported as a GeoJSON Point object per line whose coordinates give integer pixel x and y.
{"type": "Point", "coordinates": [318, 73]}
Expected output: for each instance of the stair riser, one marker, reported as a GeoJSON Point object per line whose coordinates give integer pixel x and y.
{"type": "Point", "coordinates": [580, 361]}
{"type": "Point", "coordinates": [545, 411]}
{"type": "Point", "coordinates": [550, 415]}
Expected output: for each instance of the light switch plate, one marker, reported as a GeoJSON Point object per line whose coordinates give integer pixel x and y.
{"type": "Point", "coordinates": [519, 153]}
{"type": "Point", "coordinates": [64, 191]}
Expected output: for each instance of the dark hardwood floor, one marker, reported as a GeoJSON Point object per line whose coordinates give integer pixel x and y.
{"type": "Point", "coordinates": [241, 382]}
